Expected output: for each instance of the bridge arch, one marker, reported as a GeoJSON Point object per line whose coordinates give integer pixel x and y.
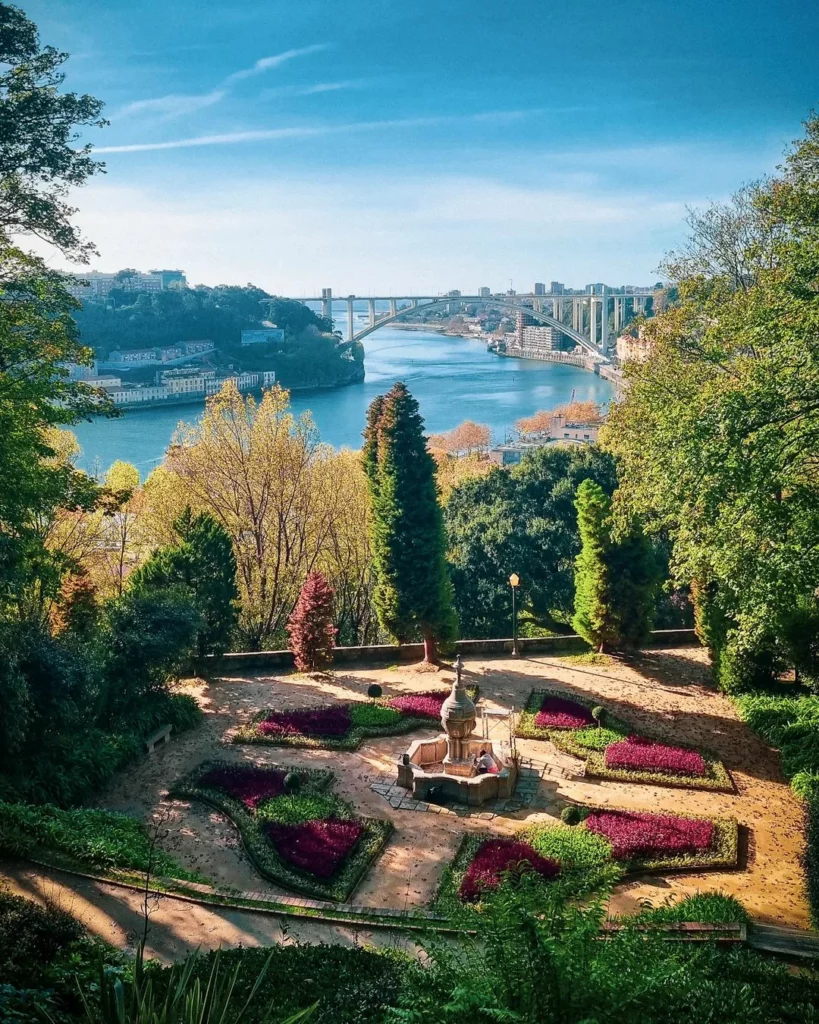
{"type": "Point", "coordinates": [541, 318]}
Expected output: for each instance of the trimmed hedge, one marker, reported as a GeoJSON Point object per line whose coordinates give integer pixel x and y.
{"type": "Point", "coordinates": [313, 800]}
{"type": "Point", "coordinates": [369, 719]}
{"type": "Point", "coordinates": [590, 742]}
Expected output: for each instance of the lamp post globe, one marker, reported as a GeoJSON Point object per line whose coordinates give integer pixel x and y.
{"type": "Point", "coordinates": [514, 583]}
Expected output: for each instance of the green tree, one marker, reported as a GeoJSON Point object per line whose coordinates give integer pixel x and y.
{"type": "Point", "coordinates": [39, 158]}
{"type": "Point", "coordinates": [413, 594]}
{"type": "Point", "coordinates": [203, 562]}
{"type": "Point", "coordinates": [718, 435]}
{"type": "Point", "coordinates": [146, 638]}
{"type": "Point", "coordinates": [615, 578]}
{"type": "Point", "coordinates": [520, 520]}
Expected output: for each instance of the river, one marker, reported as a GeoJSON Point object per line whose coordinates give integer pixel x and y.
{"type": "Point", "coordinates": [453, 379]}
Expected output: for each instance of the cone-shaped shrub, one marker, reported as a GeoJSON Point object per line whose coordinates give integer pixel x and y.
{"type": "Point", "coordinates": [311, 629]}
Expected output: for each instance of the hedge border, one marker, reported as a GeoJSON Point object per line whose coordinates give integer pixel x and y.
{"type": "Point", "coordinates": [350, 741]}
{"type": "Point", "coordinates": [262, 853]}
{"type": "Point", "coordinates": [718, 778]}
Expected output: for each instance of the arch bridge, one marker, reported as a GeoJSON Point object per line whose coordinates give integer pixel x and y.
{"type": "Point", "coordinates": [589, 326]}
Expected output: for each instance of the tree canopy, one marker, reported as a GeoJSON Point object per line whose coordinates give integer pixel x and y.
{"type": "Point", "coordinates": [718, 436]}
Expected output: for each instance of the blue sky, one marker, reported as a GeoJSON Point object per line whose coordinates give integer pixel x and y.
{"type": "Point", "coordinates": [392, 146]}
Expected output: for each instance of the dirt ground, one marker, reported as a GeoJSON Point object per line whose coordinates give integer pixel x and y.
{"type": "Point", "coordinates": [663, 693]}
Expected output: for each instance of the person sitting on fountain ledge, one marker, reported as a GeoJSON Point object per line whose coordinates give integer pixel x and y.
{"type": "Point", "coordinates": [484, 763]}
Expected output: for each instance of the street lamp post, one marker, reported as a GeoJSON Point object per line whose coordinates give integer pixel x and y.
{"type": "Point", "coordinates": [514, 582]}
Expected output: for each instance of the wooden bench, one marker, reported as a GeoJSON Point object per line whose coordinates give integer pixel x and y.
{"type": "Point", "coordinates": [160, 735]}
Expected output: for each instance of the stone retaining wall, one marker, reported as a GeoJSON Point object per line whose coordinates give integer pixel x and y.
{"type": "Point", "coordinates": [387, 654]}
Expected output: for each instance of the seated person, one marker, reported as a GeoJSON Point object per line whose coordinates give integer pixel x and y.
{"type": "Point", "coordinates": [484, 763]}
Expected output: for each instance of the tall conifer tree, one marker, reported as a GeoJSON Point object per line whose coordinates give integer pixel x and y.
{"type": "Point", "coordinates": [615, 577]}
{"type": "Point", "coordinates": [413, 595]}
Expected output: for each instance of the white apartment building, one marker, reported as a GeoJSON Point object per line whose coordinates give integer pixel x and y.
{"type": "Point", "coordinates": [97, 284]}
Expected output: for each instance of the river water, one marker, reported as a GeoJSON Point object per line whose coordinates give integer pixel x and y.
{"type": "Point", "coordinates": [453, 379]}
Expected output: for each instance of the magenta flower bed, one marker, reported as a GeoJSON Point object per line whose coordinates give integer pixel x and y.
{"type": "Point", "coordinates": [246, 783]}
{"type": "Point", "coordinates": [317, 847]}
{"type": "Point", "coordinates": [632, 834]}
{"type": "Point", "coordinates": [494, 857]}
{"type": "Point", "coordinates": [420, 705]}
{"type": "Point", "coordinates": [561, 713]}
{"type": "Point", "coordinates": [639, 754]}
{"type": "Point", "coordinates": [332, 721]}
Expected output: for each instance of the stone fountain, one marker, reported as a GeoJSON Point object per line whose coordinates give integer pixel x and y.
{"type": "Point", "coordinates": [447, 762]}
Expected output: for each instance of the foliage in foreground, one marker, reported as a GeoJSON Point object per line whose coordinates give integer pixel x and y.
{"type": "Point", "coordinates": [95, 839]}
{"type": "Point", "coordinates": [536, 957]}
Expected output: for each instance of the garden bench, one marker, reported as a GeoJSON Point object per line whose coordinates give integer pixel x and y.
{"type": "Point", "coordinates": [160, 735]}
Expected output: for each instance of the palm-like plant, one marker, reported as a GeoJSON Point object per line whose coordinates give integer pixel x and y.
{"type": "Point", "coordinates": [181, 998]}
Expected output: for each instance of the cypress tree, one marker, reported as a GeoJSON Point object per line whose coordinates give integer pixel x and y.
{"type": "Point", "coordinates": [615, 577]}
{"type": "Point", "coordinates": [592, 613]}
{"type": "Point", "coordinates": [413, 594]}
{"type": "Point", "coordinates": [311, 629]}
{"type": "Point", "coordinates": [204, 563]}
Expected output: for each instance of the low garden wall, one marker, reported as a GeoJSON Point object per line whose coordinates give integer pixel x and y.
{"type": "Point", "coordinates": [389, 654]}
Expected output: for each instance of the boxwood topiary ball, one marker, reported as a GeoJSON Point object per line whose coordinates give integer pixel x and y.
{"type": "Point", "coordinates": [599, 714]}
{"type": "Point", "coordinates": [292, 782]}
{"type": "Point", "coordinates": [570, 815]}
{"type": "Point", "coordinates": [374, 690]}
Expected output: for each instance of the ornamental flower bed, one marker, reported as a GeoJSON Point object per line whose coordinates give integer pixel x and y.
{"type": "Point", "coordinates": [613, 751]}
{"type": "Point", "coordinates": [634, 834]}
{"type": "Point", "coordinates": [246, 783]}
{"type": "Point", "coordinates": [420, 705]}
{"type": "Point", "coordinates": [297, 833]}
{"type": "Point", "coordinates": [494, 858]}
{"type": "Point", "coordinates": [317, 847]}
{"type": "Point", "coordinates": [561, 713]}
{"type": "Point", "coordinates": [344, 726]}
{"type": "Point", "coordinates": [642, 754]}
{"type": "Point", "coordinates": [605, 844]}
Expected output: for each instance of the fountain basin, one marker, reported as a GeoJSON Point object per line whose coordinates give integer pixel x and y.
{"type": "Point", "coordinates": [428, 766]}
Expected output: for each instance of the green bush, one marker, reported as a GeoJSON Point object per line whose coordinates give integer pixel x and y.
{"type": "Point", "coordinates": [100, 840]}
{"type": "Point", "coordinates": [292, 782]}
{"type": "Point", "coordinates": [570, 815]}
{"type": "Point", "coordinates": [594, 737]}
{"type": "Point", "coordinates": [599, 714]}
{"type": "Point", "coordinates": [373, 715]}
{"type": "Point", "coordinates": [374, 690]}
{"type": "Point", "coordinates": [702, 907]}
{"type": "Point", "coordinates": [575, 848]}
{"type": "Point", "coordinates": [293, 808]}
{"type": "Point", "coordinates": [31, 936]}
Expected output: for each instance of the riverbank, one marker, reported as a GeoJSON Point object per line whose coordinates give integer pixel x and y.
{"type": "Point", "coordinates": [452, 380]}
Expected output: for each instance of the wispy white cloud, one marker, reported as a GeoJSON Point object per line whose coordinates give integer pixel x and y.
{"type": "Point", "coordinates": [311, 131]}
{"type": "Point", "coordinates": [173, 105]}
{"type": "Point", "coordinates": [266, 63]}
{"type": "Point", "coordinates": [177, 105]}
{"type": "Point", "coordinates": [312, 90]}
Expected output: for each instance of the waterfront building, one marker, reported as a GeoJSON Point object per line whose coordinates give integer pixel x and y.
{"type": "Point", "coordinates": [540, 288]}
{"type": "Point", "coordinates": [631, 349]}
{"type": "Point", "coordinates": [485, 292]}
{"type": "Point", "coordinates": [557, 288]}
{"type": "Point", "coordinates": [97, 284]}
